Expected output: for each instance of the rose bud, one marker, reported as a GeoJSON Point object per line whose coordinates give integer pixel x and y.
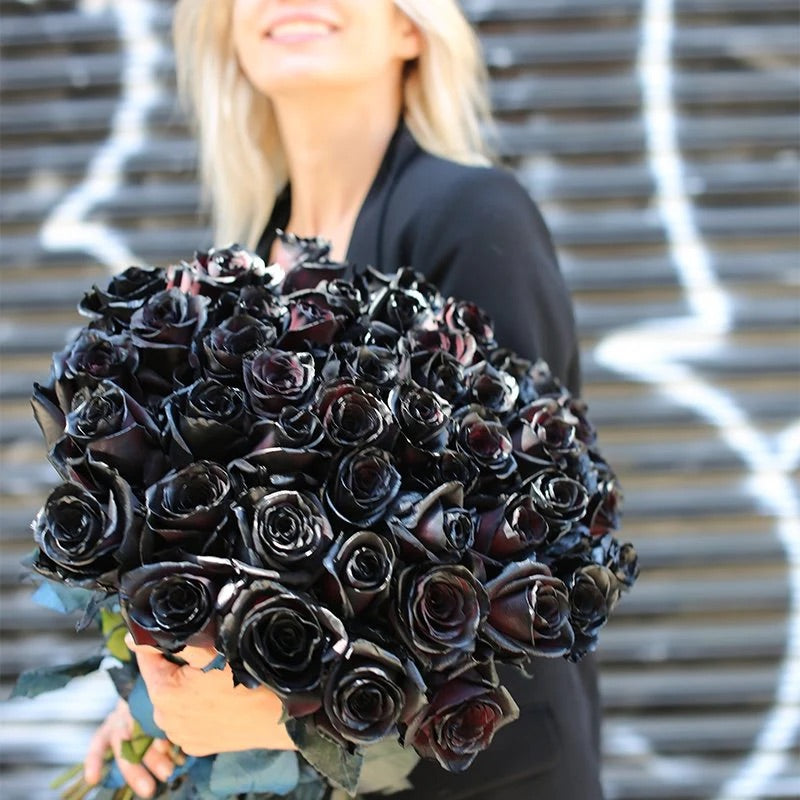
{"type": "Point", "coordinates": [275, 379]}
{"type": "Point", "coordinates": [528, 613]}
{"type": "Point", "coordinates": [225, 348]}
{"type": "Point", "coordinates": [189, 507]}
{"type": "Point", "coordinates": [438, 371]}
{"type": "Point", "coordinates": [491, 388]}
{"type": "Point", "coordinates": [171, 604]}
{"type": "Point", "coordinates": [351, 416]}
{"type": "Point", "coordinates": [459, 344]}
{"type": "Point", "coordinates": [437, 613]}
{"type": "Point", "coordinates": [400, 309]}
{"type": "Point", "coordinates": [124, 294]}
{"type": "Point", "coordinates": [270, 635]}
{"type": "Point", "coordinates": [593, 595]}
{"type": "Point", "coordinates": [368, 692]}
{"type": "Point", "coordinates": [111, 426]}
{"type": "Point", "coordinates": [511, 530]}
{"type": "Point", "coordinates": [486, 443]}
{"type": "Point", "coordinates": [412, 280]}
{"type": "Point", "coordinates": [421, 415]}
{"type": "Point", "coordinates": [81, 533]}
{"type": "Point", "coordinates": [208, 420]}
{"type": "Point", "coordinates": [544, 382]}
{"type": "Point", "coordinates": [362, 487]}
{"type": "Point", "coordinates": [559, 499]}
{"type": "Point", "coordinates": [435, 528]}
{"type": "Point", "coordinates": [285, 530]}
{"type": "Point", "coordinates": [312, 323]}
{"type": "Point", "coordinates": [461, 720]}
{"type": "Point", "coordinates": [359, 569]}
{"type": "Point", "coordinates": [603, 512]}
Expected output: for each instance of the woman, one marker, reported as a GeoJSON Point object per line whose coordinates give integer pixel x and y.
{"type": "Point", "coordinates": [361, 122]}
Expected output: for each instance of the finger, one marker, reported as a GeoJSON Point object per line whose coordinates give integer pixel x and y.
{"type": "Point", "coordinates": [198, 657]}
{"type": "Point", "coordinates": [96, 755]}
{"type": "Point", "coordinates": [158, 762]}
{"type": "Point", "coordinates": [135, 775]}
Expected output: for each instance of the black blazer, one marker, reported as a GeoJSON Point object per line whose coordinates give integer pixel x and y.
{"type": "Point", "coordinates": [477, 235]}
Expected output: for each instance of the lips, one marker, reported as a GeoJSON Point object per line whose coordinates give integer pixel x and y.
{"type": "Point", "coordinates": [290, 29]}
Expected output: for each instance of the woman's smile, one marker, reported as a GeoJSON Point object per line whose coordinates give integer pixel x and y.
{"type": "Point", "coordinates": [291, 30]}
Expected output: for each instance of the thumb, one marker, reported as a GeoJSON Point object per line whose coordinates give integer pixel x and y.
{"type": "Point", "coordinates": [198, 657]}
{"type": "Point", "coordinates": [155, 669]}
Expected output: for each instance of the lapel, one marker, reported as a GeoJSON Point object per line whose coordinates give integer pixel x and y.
{"type": "Point", "coordinates": [368, 232]}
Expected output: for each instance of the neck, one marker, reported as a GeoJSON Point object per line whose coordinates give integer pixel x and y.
{"type": "Point", "coordinates": [334, 146]}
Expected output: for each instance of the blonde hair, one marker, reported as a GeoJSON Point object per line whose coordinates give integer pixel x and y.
{"type": "Point", "coordinates": [242, 164]}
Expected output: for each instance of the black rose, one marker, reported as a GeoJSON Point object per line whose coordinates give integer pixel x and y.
{"type": "Point", "coordinates": [313, 322]}
{"type": "Point", "coordinates": [519, 368]}
{"type": "Point", "coordinates": [529, 613]}
{"type": "Point", "coordinates": [435, 527]}
{"type": "Point", "coordinates": [261, 303]}
{"type": "Point", "coordinates": [438, 612]}
{"type": "Point", "coordinates": [461, 315]}
{"type": "Point", "coordinates": [492, 388]}
{"type": "Point", "coordinates": [189, 507]}
{"type": "Point", "coordinates": [92, 357]}
{"type": "Point", "coordinates": [171, 604]}
{"type": "Point", "coordinates": [359, 569]}
{"type": "Point", "coordinates": [594, 593]}
{"type": "Point", "coordinates": [511, 530]}
{"type": "Point", "coordinates": [276, 637]}
{"type": "Point", "coordinates": [370, 364]}
{"type": "Point", "coordinates": [562, 501]}
{"type": "Point", "coordinates": [459, 344]}
{"type": "Point", "coordinates": [544, 430]}
{"type": "Point", "coordinates": [461, 720]}
{"type": "Point", "coordinates": [284, 530]}
{"type": "Point", "coordinates": [352, 416]}
{"type": "Point", "coordinates": [207, 420]}
{"type": "Point", "coordinates": [116, 430]}
{"type": "Point", "coordinates": [277, 378]}
{"type": "Point", "coordinates": [168, 319]}
{"type": "Point", "coordinates": [81, 533]}
{"type": "Point", "coordinates": [487, 443]}
{"type": "Point", "coordinates": [440, 372]}
{"type": "Point", "coordinates": [368, 693]}
{"type": "Point", "coordinates": [294, 428]}
{"type": "Point", "coordinates": [225, 348]}
{"type": "Point", "coordinates": [124, 294]}
{"type": "Point", "coordinates": [421, 415]}
{"type": "Point", "coordinates": [214, 272]}
{"type": "Point", "coordinates": [362, 487]}
{"type": "Point", "coordinates": [399, 308]}
{"type": "Point", "coordinates": [310, 272]}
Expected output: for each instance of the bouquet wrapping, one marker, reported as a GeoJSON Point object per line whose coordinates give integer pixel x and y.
{"type": "Point", "coordinates": [339, 481]}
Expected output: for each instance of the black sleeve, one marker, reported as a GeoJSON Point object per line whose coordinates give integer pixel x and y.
{"type": "Point", "coordinates": [485, 241]}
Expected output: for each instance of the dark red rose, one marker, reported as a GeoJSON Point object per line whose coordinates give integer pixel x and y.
{"type": "Point", "coordinates": [352, 416]}
{"type": "Point", "coordinates": [492, 388]}
{"type": "Point", "coordinates": [528, 614]}
{"type": "Point", "coordinates": [276, 379]}
{"type": "Point", "coordinates": [224, 349]}
{"type": "Point", "coordinates": [459, 344]}
{"type": "Point", "coordinates": [124, 294]}
{"type": "Point", "coordinates": [438, 612]}
{"type": "Point", "coordinates": [511, 530]}
{"type": "Point", "coordinates": [461, 720]}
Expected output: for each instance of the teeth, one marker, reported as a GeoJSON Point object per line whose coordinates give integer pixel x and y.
{"type": "Point", "coordinates": [299, 28]}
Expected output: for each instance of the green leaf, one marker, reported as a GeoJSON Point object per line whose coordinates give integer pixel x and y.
{"type": "Point", "coordinates": [275, 771]}
{"type": "Point", "coordinates": [60, 598]}
{"type": "Point", "coordinates": [336, 763]}
{"type": "Point", "coordinates": [66, 776]}
{"type": "Point", "coordinates": [386, 767]}
{"type": "Point", "coordinates": [37, 681]}
{"type": "Point", "coordinates": [142, 709]}
{"type": "Point", "coordinates": [133, 749]}
{"type": "Point", "coordinates": [114, 629]}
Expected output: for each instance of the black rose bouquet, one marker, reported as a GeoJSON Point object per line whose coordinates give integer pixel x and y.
{"type": "Point", "coordinates": [339, 481]}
